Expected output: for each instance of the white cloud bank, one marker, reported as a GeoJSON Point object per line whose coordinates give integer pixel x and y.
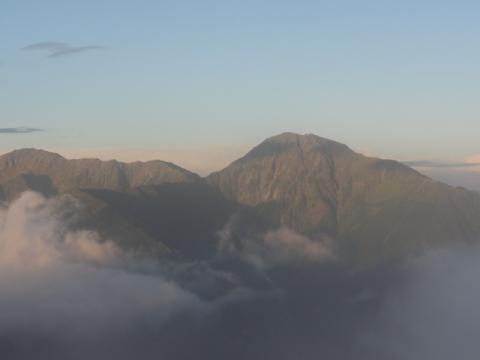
{"type": "Point", "coordinates": [281, 246]}
{"type": "Point", "coordinates": [69, 287]}
{"type": "Point", "coordinates": [70, 294]}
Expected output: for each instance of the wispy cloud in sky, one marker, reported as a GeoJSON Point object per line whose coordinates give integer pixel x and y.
{"type": "Point", "coordinates": [19, 130]}
{"type": "Point", "coordinates": [441, 164]}
{"type": "Point", "coordinates": [58, 49]}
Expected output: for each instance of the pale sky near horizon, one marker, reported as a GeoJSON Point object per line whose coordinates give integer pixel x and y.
{"type": "Point", "coordinates": [390, 78]}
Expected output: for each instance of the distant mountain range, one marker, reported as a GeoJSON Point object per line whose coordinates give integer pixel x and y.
{"type": "Point", "coordinates": [373, 211]}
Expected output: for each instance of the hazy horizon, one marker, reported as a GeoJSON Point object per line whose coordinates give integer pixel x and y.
{"type": "Point", "coordinates": [206, 160]}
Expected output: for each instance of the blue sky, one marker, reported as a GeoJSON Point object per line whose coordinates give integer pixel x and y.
{"type": "Point", "coordinates": [391, 78]}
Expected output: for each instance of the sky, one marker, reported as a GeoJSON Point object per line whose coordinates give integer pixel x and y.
{"type": "Point", "coordinates": [209, 79]}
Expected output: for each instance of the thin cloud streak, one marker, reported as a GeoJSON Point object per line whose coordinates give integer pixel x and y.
{"type": "Point", "coordinates": [19, 130]}
{"type": "Point", "coordinates": [59, 49]}
{"type": "Point", "coordinates": [439, 164]}
{"type": "Point", "coordinates": [464, 173]}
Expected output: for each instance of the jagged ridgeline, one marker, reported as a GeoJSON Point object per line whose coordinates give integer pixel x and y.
{"type": "Point", "coordinates": [373, 211]}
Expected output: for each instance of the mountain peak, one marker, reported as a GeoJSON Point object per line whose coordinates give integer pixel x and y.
{"type": "Point", "coordinates": [289, 137]}
{"type": "Point", "coordinates": [292, 142]}
{"type": "Point", "coordinates": [320, 187]}
{"type": "Point", "coordinates": [29, 153]}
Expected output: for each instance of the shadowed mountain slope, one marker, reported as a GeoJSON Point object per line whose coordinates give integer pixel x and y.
{"type": "Point", "coordinates": [154, 207]}
{"type": "Point", "coordinates": [185, 218]}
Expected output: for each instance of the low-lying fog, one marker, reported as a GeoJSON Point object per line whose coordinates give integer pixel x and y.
{"type": "Point", "coordinates": [68, 294]}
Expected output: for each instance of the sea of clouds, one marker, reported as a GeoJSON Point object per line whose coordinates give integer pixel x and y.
{"type": "Point", "coordinates": [71, 294]}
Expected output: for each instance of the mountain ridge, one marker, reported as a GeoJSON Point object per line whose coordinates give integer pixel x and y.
{"type": "Point", "coordinates": [90, 173]}
{"type": "Point", "coordinates": [374, 210]}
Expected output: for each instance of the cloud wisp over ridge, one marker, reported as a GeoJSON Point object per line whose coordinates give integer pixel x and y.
{"type": "Point", "coordinates": [19, 130]}
{"type": "Point", "coordinates": [59, 49]}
